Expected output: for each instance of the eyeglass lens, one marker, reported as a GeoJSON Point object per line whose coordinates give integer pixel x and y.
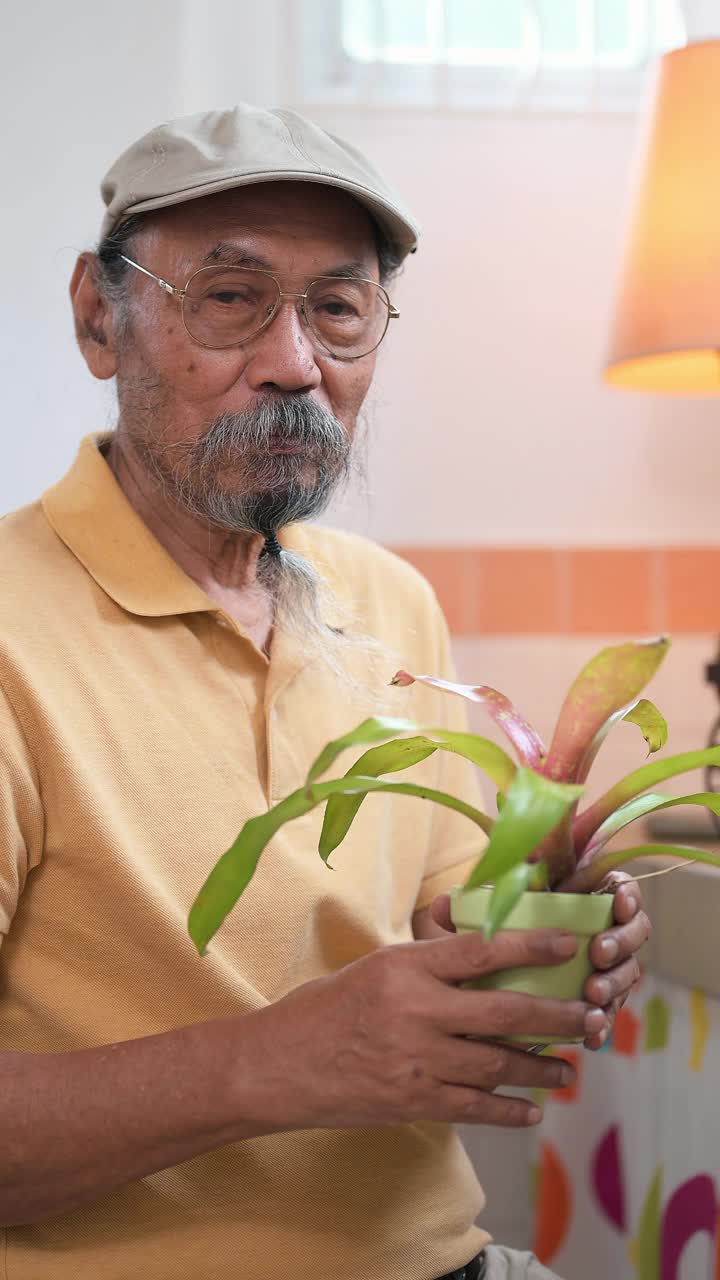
{"type": "Point", "coordinates": [227, 305]}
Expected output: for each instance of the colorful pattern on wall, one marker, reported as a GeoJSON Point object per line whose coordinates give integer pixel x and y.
{"type": "Point", "coordinates": [628, 1181]}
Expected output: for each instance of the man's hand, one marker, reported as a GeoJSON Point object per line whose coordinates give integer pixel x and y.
{"type": "Point", "coordinates": [391, 1038]}
{"type": "Point", "coordinates": [614, 953]}
{"type": "Point", "coordinates": [394, 1038]}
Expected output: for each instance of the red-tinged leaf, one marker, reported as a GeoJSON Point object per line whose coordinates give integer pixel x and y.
{"type": "Point", "coordinates": [608, 685]}
{"type": "Point", "coordinates": [649, 775]}
{"type": "Point", "coordinates": [592, 876]}
{"type": "Point", "coordinates": [639, 808]}
{"type": "Point", "coordinates": [526, 741]}
{"type": "Point", "coordinates": [557, 850]}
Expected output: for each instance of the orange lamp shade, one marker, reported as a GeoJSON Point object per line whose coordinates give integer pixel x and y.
{"type": "Point", "coordinates": [666, 334]}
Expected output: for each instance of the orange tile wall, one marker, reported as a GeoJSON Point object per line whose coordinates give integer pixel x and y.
{"type": "Point", "coordinates": [573, 590]}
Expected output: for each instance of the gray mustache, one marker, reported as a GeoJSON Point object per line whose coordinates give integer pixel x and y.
{"type": "Point", "coordinates": [290, 419]}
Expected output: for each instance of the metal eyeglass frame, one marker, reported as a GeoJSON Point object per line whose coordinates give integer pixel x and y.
{"type": "Point", "coordinates": [182, 294]}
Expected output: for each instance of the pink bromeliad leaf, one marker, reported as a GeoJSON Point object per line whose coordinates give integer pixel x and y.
{"type": "Point", "coordinates": [527, 743]}
{"type": "Point", "coordinates": [606, 690]}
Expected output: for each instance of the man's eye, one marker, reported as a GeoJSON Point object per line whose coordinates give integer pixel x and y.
{"type": "Point", "coordinates": [337, 310]}
{"type": "Point", "coordinates": [229, 298]}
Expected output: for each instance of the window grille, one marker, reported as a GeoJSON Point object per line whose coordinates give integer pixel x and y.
{"type": "Point", "coordinates": [494, 54]}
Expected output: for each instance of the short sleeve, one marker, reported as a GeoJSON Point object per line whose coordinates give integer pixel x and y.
{"type": "Point", "coordinates": [21, 814]}
{"type": "Point", "coordinates": [455, 843]}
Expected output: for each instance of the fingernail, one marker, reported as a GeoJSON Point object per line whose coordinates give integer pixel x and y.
{"type": "Point", "coordinates": [632, 902]}
{"type": "Point", "coordinates": [609, 949]}
{"type": "Point", "coordinates": [595, 1021]}
{"type": "Point", "coordinates": [534, 1115]}
{"type": "Point", "coordinates": [564, 946]}
{"type": "Point", "coordinates": [602, 987]}
{"type": "Point", "coordinates": [567, 1074]}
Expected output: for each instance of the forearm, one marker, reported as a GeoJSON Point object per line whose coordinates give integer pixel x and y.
{"type": "Point", "coordinates": [76, 1125]}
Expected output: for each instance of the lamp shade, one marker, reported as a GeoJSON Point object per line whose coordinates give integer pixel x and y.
{"type": "Point", "coordinates": [666, 334]}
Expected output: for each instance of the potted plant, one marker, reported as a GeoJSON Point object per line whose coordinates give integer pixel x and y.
{"type": "Point", "coordinates": [546, 860]}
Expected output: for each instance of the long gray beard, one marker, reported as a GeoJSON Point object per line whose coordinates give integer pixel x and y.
{"type": "Point", "coordinates": [264, 490]}
{"type": "Point", "coordinates": [231, 477]}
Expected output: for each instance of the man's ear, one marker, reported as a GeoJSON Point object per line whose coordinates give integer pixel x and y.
{"type": "Point", "coordinates": [93, 319]}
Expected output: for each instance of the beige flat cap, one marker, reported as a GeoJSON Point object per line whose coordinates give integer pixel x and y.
{"type": "Point", "coordinates": [217, 150]}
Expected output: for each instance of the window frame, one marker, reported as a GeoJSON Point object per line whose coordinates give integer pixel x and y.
{"type": "Point", "coordinates": [324, 74]}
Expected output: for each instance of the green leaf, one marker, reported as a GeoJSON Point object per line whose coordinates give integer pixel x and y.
{"type": "Point", "coordinates": [508, 891]}
{"type": "Point", "coordinates": [641, 712]}
{"type": "Point", "coordinates": [233, 872]}
{"type": "Point", "coordinates": [651, 722]}
{"type": "Point", "coordinates": [633, 784]}
{"type": "Point", "coordinates": [592, 876]}
{"type": "Point", "coordinates": [526, 741]}
{"type": "Point", "coordinates": [533, 807]}
{"type": "Point", "coordinates": [235, 869]}
{"type": "Point", "coordinates": [608, 684]}
{"type": "Point", "coordinates": [637, 808]}
{"type": "Point", "coordinates": [394, 756]}
{"type": "Point", "coordinates": [391, 757]}
{"type": "Point", "coordinates": [375, 729]}
{"type": "Point", "coordinates": [359, 785]}
{"type": "Point", "coordinates": [491, 758]}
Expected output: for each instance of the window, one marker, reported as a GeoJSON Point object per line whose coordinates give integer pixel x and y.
{"type": "Point", "coordinates": [509, 33]}
{"type": "Point", "coordinates": [565, 54]}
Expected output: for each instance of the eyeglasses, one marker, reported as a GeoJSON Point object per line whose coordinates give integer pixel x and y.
{"type": "Point", "coordinates": [227, 306]}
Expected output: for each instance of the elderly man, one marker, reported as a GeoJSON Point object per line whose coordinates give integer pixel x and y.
{"type": "Point", "coordinates": [283, 1106]}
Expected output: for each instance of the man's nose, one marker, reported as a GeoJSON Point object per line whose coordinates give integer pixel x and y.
{"type": "Point", "coordinates": [283, 356]}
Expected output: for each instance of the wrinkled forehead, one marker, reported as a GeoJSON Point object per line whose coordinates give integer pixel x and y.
{"type": "Point", "coordinates": [289, 224]}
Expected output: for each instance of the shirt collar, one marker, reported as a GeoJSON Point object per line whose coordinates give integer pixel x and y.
{"type": "Point", "coordinates": [90, 513]}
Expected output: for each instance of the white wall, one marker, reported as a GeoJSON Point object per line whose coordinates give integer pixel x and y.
{"type": "Point", "coordinates": [78, 82]}
{"type": "Point", "coordinates": [493, 421]}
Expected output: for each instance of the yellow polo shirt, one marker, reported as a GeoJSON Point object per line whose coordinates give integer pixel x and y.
{"type": "Point", "coordinates": [139, 728]}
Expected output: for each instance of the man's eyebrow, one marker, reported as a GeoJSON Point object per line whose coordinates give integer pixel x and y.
{"type": "Point", "coordinates": [350, 271]}
{"type": "Point", "coordinates": [234, 255]}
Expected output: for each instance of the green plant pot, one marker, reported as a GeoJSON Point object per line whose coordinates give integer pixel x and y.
{"type": "Point", "coordinates": [585, 915]}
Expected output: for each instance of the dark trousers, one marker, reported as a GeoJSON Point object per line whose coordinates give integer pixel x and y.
{"type": "Point", "coordinates": [473, 1270]}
